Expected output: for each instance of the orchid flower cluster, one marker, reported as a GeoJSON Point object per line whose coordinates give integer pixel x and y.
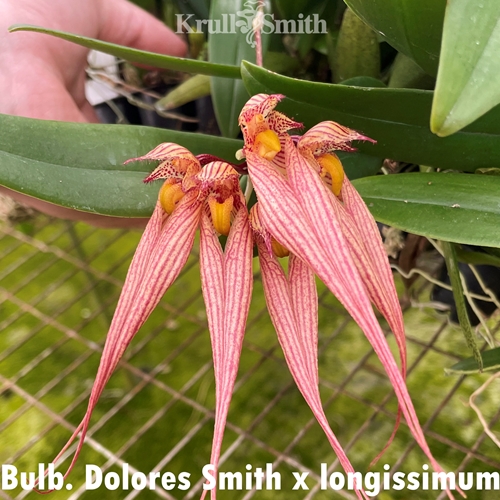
{"type": "Point", "coordinates": [308, 212]}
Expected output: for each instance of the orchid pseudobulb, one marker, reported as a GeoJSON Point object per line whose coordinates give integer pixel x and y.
{"type": "Point", "coordinates": [307, 211]}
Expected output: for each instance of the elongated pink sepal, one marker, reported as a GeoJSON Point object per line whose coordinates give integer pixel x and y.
{"type": "Point", "coordinates": [296, 214]}
{"type": "Point", "coordinates": [361, 233]}
{"type": "Point", "coordinates": [293, 306]}
{"type": "Point", "coordinates": [158, 260]}
{"type": "Point", "coordinates": [227, 281]}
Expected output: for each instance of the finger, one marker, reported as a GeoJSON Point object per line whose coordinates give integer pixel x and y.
{"type": "Point", "coordinates": [88, 112]}
{"type": "Point", "coordinates": [126, 24]}
{"type": "Point", "coordinates": [49, 100]}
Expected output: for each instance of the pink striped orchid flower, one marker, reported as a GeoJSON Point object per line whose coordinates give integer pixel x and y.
{"type": "Point", "coordinates": [192, 197]}
{"type": "Point", "coordinates": [308, 208]}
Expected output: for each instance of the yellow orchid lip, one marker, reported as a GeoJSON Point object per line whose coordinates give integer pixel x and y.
{"type": "Point", "coordinates": [221, 214]}
{"type": "Point", "coordinates": [170, 194]}
{"type": "Point", "coordinates": [267, 144]}
{"type": "Point", "coordinates": [278, 249]}
{"type": "Point", "coordinates": [332, 165]}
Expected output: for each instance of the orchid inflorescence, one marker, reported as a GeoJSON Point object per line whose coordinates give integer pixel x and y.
{"type": "Point", "coordinates": [308, 211]}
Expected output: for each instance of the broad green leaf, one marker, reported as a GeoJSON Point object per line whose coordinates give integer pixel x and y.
{"type": "Point", "coordinates": [407, 74]}
{"type": "Point", "coordinates": [280, 62]}
{"type": "Point", "coordinates": [397, 118]}
{"type": "Point", "coordinates": [413, 27]}
{"type": "Point", "coordinates": [358, 165]}
{"type": "Point", "coordinates": [462, 208]}
{"type": "Point", "coordinates": [139, 56]}
{"type": "Point", "coordinates": [491, 362]}
{"type": "Point", "coordinates": [230, 48]}
{"type": "Point", "coordinates": [456, 280]}
{"type": "Point", "coordinates": [80, 165]}
{"type": "Point", "coordinates": [469, 69]}
{"type": "Point", "coordinates": [357, 52]}
{"type": "Point", "coordinates": [364, 81]}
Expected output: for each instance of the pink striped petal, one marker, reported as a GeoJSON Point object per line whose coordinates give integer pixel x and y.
{"type": "Point", "coordinates": [164, 151]}
{"type": "Point", "coordinates": [361, 233]}
{"type": "Point", "coordinates": [159, 258]}
{"type": "Point", "coordinates": [259, 104]}
{"type": "Point", "coordinates": [372, 267]}
{"type": "Point", "coordinates": [293, 307]}
{"type": "Point", "coordinates": [263, 105]}
{"type": "Point", "coordinates": [279, 160]}
{"type": "Point", "coordinates": [369, 232]}
{"type": "Point", "coordinates": [280, 123]}
{"type": "Point", "coordinates": [227, 281]}
{"type": "Point", "coordinates": [176, 160]}
{"type": "Point", "coordinates": [328, 136]}
{"type": "Point", "coordinates": [299, 220]}
{"type": "Point", "coordinates": [358, 217]}
{"type": "Point", "coordinates": [305, 308]}
{"type": "Point", "coordinates": [217, 171]}
{"type": "Point", "coordinates": [301, 175]}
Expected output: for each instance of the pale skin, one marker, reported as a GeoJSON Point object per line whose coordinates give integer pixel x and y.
{"type": "Point", "coordinates": [43, 77]}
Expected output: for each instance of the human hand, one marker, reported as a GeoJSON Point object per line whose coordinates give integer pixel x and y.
{"type": "Point", "coordinates": [44, 77]}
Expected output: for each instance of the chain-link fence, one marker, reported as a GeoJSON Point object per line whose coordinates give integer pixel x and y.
{"type": "Point", "coordinates": [59, 283]}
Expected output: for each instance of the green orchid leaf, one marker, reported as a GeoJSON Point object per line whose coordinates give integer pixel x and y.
{"type": "Point", "coordinates": [398, 119]}
{"type": "Point", "coordinates": [461, 208]}
{"type": "Point", "coordinates": [412, 27]}
{"type": "Point", "coordinates": [469, 366]}
{"type": "Point", "coordinates": [148, 5]}
{"type": "Point", "coordinates": [80, 166]}
{"type": "Point", "coordinates": [358, 165]}
{"type": "Point", "coordinates": [407, 74]}
{"type": "Point", "coordinates": [357, 52]}
{"type": "Point", "coordinates": [469, 68]}
{"type": "Point", "coordinates": [230, 48]}
{"type": "Point", "coordinates": [140, 56]}
{"type": "Point", "coordinates": [364, 81]}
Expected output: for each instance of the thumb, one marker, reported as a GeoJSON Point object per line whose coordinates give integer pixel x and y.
{"type": "Point", "coordinates": [126, 24]}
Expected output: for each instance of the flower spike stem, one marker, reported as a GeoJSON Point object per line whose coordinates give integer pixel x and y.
{"type": "Point", "coordinates": [257, 27]}
{"type": "Point", "coordinates": [457, 282]}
